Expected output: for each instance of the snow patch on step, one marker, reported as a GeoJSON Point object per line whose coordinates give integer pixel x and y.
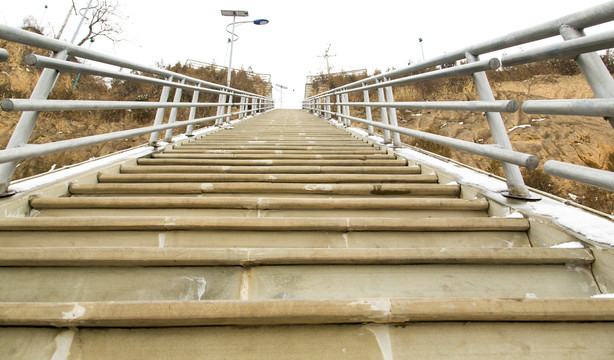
{"type": "Point", "coordinates": [76, 312]}
{"type": "Point", "coordinates": [384, 305]}
{"type": "Point", "coordinates": [382, 335]}
{"type": "Point", "coordinates": [316, 187]}
{"type": "Point", "coordinates": [63, 343]}
{"type": "Point", "coordinates": [197, 285]}
{"type": "Point", "coordinates": [569, 245]}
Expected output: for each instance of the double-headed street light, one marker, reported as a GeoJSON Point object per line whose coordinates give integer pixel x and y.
{"type": "Point", "coordinates": [234, 37]}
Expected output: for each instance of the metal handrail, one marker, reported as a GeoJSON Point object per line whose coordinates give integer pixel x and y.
{"type": "Point", "coordinates": [576, 45]}
{"type": "Point", "coordinates": [18, 147]}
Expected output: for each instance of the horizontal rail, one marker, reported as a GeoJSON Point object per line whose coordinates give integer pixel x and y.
{"type": "Point", "coordinates": [586, 18]}
{"type": "Point", "coordinates": [580, 107]}
{"type": "Point", "coordinates": [43, 42]}
{"type": "Point", "coordinates": [32, 150]}
{"type": "Point", "coordinates": [491, 151]}
{"type": "Point", "coordinates": [600, 178]}
{"type": "Point", "coordinates": [4, 54]}
{"type": "Point", "coordinates": [71, 67]}
{"type": "Point", "coordinates": [467, 69]}
{"type": "Point", "coordinates": [564, 50]}
{"type": "Point", "coordinates": [73, 105]}
{"type": "Point", "coordinates": [508, 106]}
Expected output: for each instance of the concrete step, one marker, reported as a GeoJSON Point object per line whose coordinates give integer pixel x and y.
{"type": "Point", "coordinates": [552, 340]}
{"type": "Point", "coordinates": [293, 282]}
{"type": "Point", "coordinates": [256, 168]}
{"type": "Point", "coordinates": [149, 223]}
{"type": "Point", "coordinates": [123, 239]}
{"type": "Point", "coordinates": [295, 163]}
{"type": "Point", "coordinates": [251, 257]}
{"type": "Point", "coordinates": [258, 203]}
{"type": "Point", "coordinates": [272, 156]}
{"type": "Point", "coordinates": [340, 151]}
{"type": "Point", "coordinates": [259, 188]}
{"type": "Point", "coordinates": [259, 207]}
{"type": "Point", "coordinates": [181, 175]}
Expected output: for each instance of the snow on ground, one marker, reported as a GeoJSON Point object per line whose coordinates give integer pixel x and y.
{"type": "Point", "coordinates": [518, 127]}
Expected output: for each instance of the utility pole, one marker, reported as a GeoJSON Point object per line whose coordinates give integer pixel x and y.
{"type": "Point", "coordinates": [72, 8]}
{"type": "Point", "coordinates": [326, 56]}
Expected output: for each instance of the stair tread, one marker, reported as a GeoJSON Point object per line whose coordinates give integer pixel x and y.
{"type": "Point", "coordinates": [264, 223]}
{"type": "Point", "coordinates": [262, 203]}
{"type": "Point", "coordinates": [265, 177]}
{"type": "Point", "coordinates": [143, 256]}
{"type": "Point", "coordinates": [278, 312]}
{"type": "Point", "coordinates": [378, 189]}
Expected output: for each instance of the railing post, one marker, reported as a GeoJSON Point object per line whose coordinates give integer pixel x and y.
{"type": "Point", "coordinates": [392, 116]}
{"type": "Point", "coordinates": [321, 106]}
{"type": "Point", "coordinates": [384, 114]}
{"type": "Point", "coordinates": [153, 138]}
{"type": "Point", "coordinates": [26, 122]}
{"type": "Point", "coordinates": [368, 114]}
{"type": "Point", "coordinates": [593, 68]}
{"type": "Point", "coordinates": [327, 107]}
{"type": "Point", "coordinates": [241, 107]}
{"type": "Point", "coordinates": [346, 109]}
{"type": "Point", "coordinates": [188, 131]}
{"type": "Point", "coordinates": [220, 109]}
{"type": "Point", "coordinates": [229, 111]}
{"type": "Point", "coordinates": [339, 114]}
{"type": "Point", "coordinates": [254, 102]}
{"type": "Point", "coordinates": [515, 183]}
{"type": "Point", "coordinates": [173, 116]}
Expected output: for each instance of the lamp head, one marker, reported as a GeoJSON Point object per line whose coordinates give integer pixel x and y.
{"type": "Point", "coordinates": [261, 22]}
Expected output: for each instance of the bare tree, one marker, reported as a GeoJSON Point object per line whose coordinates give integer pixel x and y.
{"type": "Point", "coordinates": [104, 20]}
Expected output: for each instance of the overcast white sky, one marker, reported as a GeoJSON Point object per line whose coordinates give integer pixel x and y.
{"type": "Point", "coordinates": [379, 34]}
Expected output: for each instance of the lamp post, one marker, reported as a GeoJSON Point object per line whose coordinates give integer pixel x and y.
{"type": "Point", "coordinates": [234, 37]}
{"type": "Point", "coordinates": [281, 94]}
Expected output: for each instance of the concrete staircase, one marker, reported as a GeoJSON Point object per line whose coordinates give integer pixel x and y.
{"type": "Point", "coordinates": [285, 237]}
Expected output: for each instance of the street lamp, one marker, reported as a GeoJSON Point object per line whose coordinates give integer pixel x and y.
{"type": "Point", "coordinates": [281, 94]}
{"type": "Point", "coordinates": [234, 37]}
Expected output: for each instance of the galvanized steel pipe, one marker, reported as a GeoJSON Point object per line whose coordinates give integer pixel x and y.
{"type": "Point", "coordinates": [600, 178]}
{"type": "Point", "coordinates": [580, 107]}
{"type": "Point", "coordinates": [491, 151]}
{"type": "Point", "coordinates": [74, 105]}
{"type": "Point", "coordinates": [508, 106]}
{"type": "Point", "coordinates": [564, 50]}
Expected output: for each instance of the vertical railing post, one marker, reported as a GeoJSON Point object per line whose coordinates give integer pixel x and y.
{"type": "Point", "coordinates": [27, 120]}
{"type": "Point", "coordinates": [365, 95]}
{"type": "Point", "coordinates": [339, 114]}
{"type": "Point", "coordinates": [254, 101]}
{"type": "Point", "coordinates": [173, 116]}
{"type": "Point", "coordinates": [515, 183]}
{"type": "Point", "coordinates": [229, 111]}
{"type": "Point", "coordinates": [241, 107]}
{"type": "Point", "coordinates": [153, 138]}
{"type": "Point", "coordinates": [346, 109]}
{"type": "Point", "coordinates": [327, 107]}
{"type": "Point", "coordinates": [190, 128]}
{"type": "Point", "coordinates": [220, 109]}
{"type": "Point", "coordinates": [593, 68]}
{"type": "Point", "coordinates": [392, 116]}
{"type": "Point", "coordinates": [384, 113]}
